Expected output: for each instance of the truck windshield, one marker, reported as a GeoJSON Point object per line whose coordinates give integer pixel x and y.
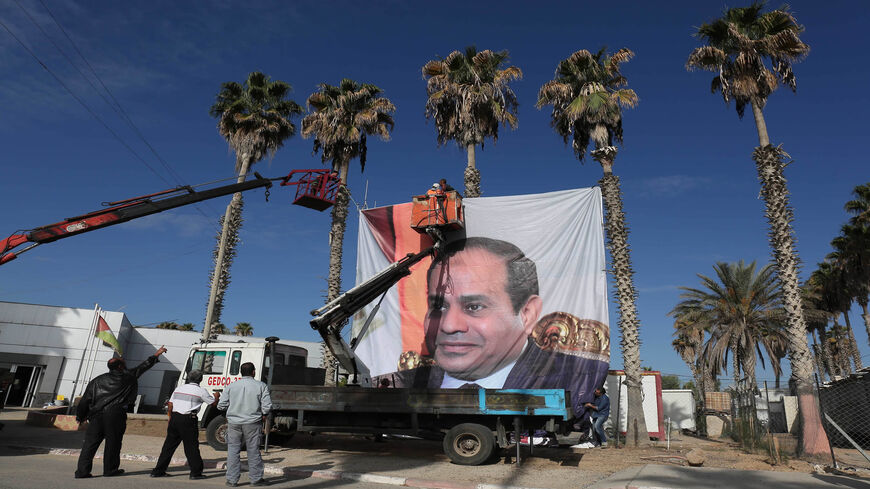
{"type": "Point", "coordinates": [209, 362]}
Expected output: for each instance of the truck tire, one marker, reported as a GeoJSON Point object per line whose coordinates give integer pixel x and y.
{"type": "Point", "coordinates": [216, 433]}
{"type": "Point", "coordinates": [469, 444]}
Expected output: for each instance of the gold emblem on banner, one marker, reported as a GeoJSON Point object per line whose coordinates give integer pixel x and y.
{"type": "Point", "coordinates": [411, 359]}
{"type": "Point", "coordinates": [565, 333]}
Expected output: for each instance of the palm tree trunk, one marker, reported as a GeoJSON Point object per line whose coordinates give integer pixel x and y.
{"type": "Point", "coordinates": [760, 126]}
{"type": "Point", "coordinates": [817, 356]}
{"type": "Point", "coordinates": [748, 363]}
{"type": "Point", "coordinates": [841, 349]}
{"type": "Point", "coordinates": [709, 381]}
{"type": "Point", "coordinates": [865, 316]}
{"type": "Point", "coordinates": [827, 355]}
{"type": "Point", "coordinates": [224, 259]}
{"type": "Point", "coordinates": [853, 345]}
{"type": "Point", "coordinates": [472, 174]}
{"type": "Point", "coordinates": [770, 163]}
{"type": "Point", "coordinates": [336, 247]}
{"type": "Point", "coordinates": [617, 237]}
{"type": "Point", "coordinates": [734, 345]}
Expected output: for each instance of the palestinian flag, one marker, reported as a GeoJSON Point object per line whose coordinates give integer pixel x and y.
{"type": "Point", "coordinates": [105, 333]}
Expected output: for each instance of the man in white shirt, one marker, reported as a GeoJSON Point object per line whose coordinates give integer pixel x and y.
{"type": "Point", "coordinates": [183, 426]}
{"type": "Point", "coordinates": [247, 402]}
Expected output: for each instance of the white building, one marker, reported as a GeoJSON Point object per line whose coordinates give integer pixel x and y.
{"type": "Point", "coordinates": [44, 349]}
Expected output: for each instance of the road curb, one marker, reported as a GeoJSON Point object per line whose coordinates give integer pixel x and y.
{"type": "Point", "coordinates": [271, 469]}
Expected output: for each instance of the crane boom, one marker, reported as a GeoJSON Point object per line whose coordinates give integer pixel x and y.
{"type": "Point", "coordinates": [330, 319]}
{"type": "Point", "coordinates": [314, 185]}
{"type": "Point", "coordinates": [120, 212]}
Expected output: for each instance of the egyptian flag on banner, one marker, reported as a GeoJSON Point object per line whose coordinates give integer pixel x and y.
{"type": "Point", "coordinates": [105, 334]}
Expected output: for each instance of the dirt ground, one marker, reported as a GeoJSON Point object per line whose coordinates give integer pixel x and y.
{"type": "Point", "coordinates": [718, 453]}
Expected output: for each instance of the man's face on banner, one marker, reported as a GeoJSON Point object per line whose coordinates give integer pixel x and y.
{"type": "Point", "coordinates": [470, 324]}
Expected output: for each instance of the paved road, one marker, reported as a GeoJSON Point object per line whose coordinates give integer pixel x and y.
{"type": "Point", "coordinates": [28, 469]}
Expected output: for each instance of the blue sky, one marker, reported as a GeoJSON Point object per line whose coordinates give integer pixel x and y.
{"type": "Point", "coordinates": [690, 187]}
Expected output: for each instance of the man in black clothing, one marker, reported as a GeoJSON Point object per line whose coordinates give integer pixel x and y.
{"type": "Point", "coordinates": [104, 405]}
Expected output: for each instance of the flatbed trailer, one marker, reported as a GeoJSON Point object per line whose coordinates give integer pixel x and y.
{"type": "Point", "coordinates": [472, 422]}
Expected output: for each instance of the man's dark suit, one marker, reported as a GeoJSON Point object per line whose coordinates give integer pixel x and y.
{"type": "Point", "coordinates": [535, 369]}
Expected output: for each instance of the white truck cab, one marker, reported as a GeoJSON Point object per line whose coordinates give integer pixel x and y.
{"type": "Point", "coordinates": [220, 364]}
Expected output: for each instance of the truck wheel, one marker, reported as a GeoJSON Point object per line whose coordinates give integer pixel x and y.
{"type": "Point", "coordinates": [216, 433]}
{"type": "Point", "coordinates": [469, 444]}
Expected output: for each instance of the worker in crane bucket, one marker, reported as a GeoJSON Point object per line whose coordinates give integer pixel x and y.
{"type": "Point", "coordinates": [483, 327]}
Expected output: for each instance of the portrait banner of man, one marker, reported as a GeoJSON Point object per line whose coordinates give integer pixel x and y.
{"type": "Point", "coordinates": [517, 299]}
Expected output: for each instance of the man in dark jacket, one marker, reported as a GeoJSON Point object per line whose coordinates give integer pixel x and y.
{"type": "Point", "coordinates": [600, 412]}
{"type": "Point", "coordinates": [104, 405]}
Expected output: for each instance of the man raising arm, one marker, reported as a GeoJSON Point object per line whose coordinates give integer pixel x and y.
{"type": "Point", "coordinates": [104, 405]}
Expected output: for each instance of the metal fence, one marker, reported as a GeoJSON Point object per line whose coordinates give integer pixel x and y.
{"type": "Point", "coordinates": [767, 419]}
{"type": "Point", "coordinates": [764, 419]}
{"type": "Point", "coordinates": [845, 410]}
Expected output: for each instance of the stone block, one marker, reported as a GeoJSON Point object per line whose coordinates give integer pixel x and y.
{"type": "Point", "coordinates": [695, 458]}
{"type": "Point", "coordinates": [715, 426]}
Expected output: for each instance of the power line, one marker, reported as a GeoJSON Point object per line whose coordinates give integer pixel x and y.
{"type": "Point", "coordinates": [116, 106]}
{"type": "Point", "coordinates": [85, 106]}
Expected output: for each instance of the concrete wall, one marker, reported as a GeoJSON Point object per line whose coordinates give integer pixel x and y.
{"type": "Point", "coordinates": [679, 406]}
{"type": "Point", "coordinates": [57, 335]}
{"type": "Point", "coordinates": [652, 401]}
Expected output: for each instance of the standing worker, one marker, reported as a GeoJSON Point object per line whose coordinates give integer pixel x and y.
{"type": "Point", "coordinates": [247, 404]}
{"type": "Point", "coordinates": [104, 405]}
{"type": "Point", "coordinates": [600, 412]}
{"type": "Point", "coordinates": [184, 406]}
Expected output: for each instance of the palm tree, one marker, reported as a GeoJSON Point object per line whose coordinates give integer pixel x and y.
{"type": "Point", "coordinates": [587, 107]}
{"type": "Point", "coordinates": [469, 96]}
{"type": "Point", "coordinates": [817, 320]}
{"type": "Point", "coordinates": [689, 345]}
{"type": "Point", "coordinates": [740, 306]}
{"type": "Point", "coordinates": [186, 327]}
{"type": "Point", "coordinates": [244, 329]}
{"type": "Point", "coordinates": [691, 336]}
{"type": "Point", "coordinates": [216, 329]}
{"type": "Point", "coordinates": [168, 325]}
{"type": "Point", "coordinates": [342, 118]}
{"type": "Point", "coordinates": [254, 118]}
{"type": "Point", "coordinates": [737, 47]}
{"type": "Point", "coordinates": [851, 255]}
{"type": "Point", "coordinates": [831, 284]}
{"type": "Point", "coordinates": [860, 206]}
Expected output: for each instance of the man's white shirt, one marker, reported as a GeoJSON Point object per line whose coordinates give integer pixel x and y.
{"type": "Point", "coordinates": [188, 399]}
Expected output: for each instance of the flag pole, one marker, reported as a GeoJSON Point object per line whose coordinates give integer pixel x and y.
{"type": "Point", "coordinates": [92, 356]}
{"type": "Point", "coordinates": [75, 387]}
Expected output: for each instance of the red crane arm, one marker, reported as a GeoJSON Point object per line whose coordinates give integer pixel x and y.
{"type": "Point", "coordinates": [122, 211]}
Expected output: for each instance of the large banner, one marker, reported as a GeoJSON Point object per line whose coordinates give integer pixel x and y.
{"type": "Point", "coordinates": [517, 299]}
